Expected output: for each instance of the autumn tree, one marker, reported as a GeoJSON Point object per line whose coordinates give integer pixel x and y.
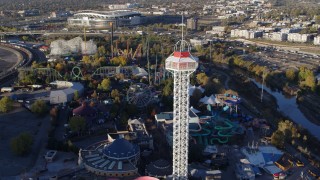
{"type": "Point", "coordinates": [119, 60]}
{"type": "Point", "coordinates": [115, 95]}
{"type": "Point", "coordinates": [277, 139]}
{"type": "Point", "coordinates": [86, 59]}
{"type": "Point", "coordinates": [59, 67]}
{"type": "Point", "coordinates": [105, 84]}
{"type": "Point", "coordinates": [202, 78]}
{"type": "Point", "coordinates": [291, 75]}
{"type": "Point", "coordinates": [94, 94]}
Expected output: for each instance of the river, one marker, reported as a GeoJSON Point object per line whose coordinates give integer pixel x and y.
{"type": "Point", "coordinates": [289, 107]}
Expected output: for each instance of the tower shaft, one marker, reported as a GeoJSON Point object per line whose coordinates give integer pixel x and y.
{"type": "Point", "coordinates": [180, 124]}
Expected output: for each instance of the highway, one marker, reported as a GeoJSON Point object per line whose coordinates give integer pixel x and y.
{"type": "Point", "coordinates": [10, 75]}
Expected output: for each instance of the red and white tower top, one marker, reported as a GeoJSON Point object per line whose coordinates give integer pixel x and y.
{"type": "Point", "coordinates": [182, 60]}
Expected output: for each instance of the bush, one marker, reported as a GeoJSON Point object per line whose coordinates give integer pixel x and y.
{"type": "Point", "coordinates": [5, 104]}
{"type": "Point", "coordinates": [21, 144]}
{"type": "Point", "coordinates": [39, 107]}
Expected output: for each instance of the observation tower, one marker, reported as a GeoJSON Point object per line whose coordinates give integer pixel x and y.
{"type": "Point", "coordinates": [181, 64]}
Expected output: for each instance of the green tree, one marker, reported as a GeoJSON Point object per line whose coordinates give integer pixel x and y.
{"type": "Point", "coordinates": [5, 104]}
{"type": "Point", "coordinates": [105, 84]}
{"type": "Point", "coordinates": [77, 124]}
{"type": "Point", "coordinates": [21, 144]}
{"type": "Point", "coordinates": [39, 107]}
{"type": "Point", "coordinates": [76, 95]}
{"type": "Point", "coordinates": [25, 38]}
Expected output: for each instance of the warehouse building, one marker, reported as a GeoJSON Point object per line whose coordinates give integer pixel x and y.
{"type": "Point", "coordinates": [65, 91]}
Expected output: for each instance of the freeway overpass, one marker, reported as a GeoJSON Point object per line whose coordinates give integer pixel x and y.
{"type": "Point", "coordinates": [62, 33]}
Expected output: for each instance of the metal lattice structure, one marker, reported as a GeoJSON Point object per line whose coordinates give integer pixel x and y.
{"type": "Point", "coordinates": [49, 72]}
{"type": "Point", "coordinates": [139, 94]}
{"type": "Point", "coordinates": [181, 64]}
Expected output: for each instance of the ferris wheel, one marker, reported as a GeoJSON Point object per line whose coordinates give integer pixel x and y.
{"type": "Point", "coordinates": [139, 94]}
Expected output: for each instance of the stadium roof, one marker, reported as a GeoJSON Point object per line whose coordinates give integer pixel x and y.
{"type": "Point", "coordinates": [106, 14]}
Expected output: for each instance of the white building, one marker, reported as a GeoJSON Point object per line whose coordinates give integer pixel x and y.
{"type": "Point", "coordinates": [248, 34]}
{"type": "Point", "coordinates": [301, 38]}
{"type": "Point", "coordinates": [198, 42]}
{"type": "Point", "coordinates": [276, 36]}
{"type": "Point", "coordinates": [66, 91]}
{"type": "Point", "coordinates": [316, 40]}
{"type": "Point", "coordinates": [218, 30]}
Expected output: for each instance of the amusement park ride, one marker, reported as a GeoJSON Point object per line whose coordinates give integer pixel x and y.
{"type": "Point", "coordinates": [181, 64]}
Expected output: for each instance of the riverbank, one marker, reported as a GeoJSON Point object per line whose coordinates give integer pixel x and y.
{"type": "Point", "coordinates": [310, 106]}
{"type": "Point", "coordinates": [269, 110]}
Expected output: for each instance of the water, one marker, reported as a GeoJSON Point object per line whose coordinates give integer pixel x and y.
{"type": "Point", "coordinates": [289, 107]}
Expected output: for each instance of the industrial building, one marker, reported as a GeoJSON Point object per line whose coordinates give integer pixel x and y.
{"type": "Point", "coordinates": [104, 19]}
{"type": "Point", "coordinates": [65, 91]}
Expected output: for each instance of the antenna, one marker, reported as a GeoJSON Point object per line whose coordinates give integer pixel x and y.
{"type": "Point", "coordinates": [182, 38]}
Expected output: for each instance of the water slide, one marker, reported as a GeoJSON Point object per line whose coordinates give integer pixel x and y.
{"type": "Point", "coordinates": [224, 132]}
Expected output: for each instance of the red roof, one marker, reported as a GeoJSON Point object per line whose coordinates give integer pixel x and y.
{"type": "Point", "coordinates": [146, 178]}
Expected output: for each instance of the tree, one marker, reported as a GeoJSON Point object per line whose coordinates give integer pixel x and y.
{"type": "Point", "coordinates": [21, 144]}
{"type": "Point", "coordinates": [101, 50]}
{"type": "Point", "coordinates": [39, 107]}
{"type": "Point", "coordinates": [115, 93]}
{"type": "Point", "coordinates": [277, 139]}
{"type": "Point", "coordinates": [77, 124]}
{"type": "Point", "coordinates": [291, 75]}
{"type": "Point", "coordinates": [311, 82]}
{"type": "Point", "coordinates": [59, 67]}
{"type": "Point", "coordinates": [202, 78]}
{"type": "Point", "coordinates": [105, 84]}
{"type": "Point", "coordinates": [76, 95]}
{"type": "Point", "coordinates": [168, 87]}
{"type": "Point", "coordinates": [94, 94]}
{"type": "Point", "coordinates": [119, 60]}
{"type": "Point", "coordinates": [5, 104]}
{"type": "Point", "coordinates": [25, 38]}
{"type": "Point", "coordinates": [86, 59]}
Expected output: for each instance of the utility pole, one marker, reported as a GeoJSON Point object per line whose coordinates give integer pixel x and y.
{"type": "Point", "coordinates": [111, 23]}
{"type": "Point", "coordinates": [155, 70]}
{"type": "Point", "coordinates": [263, 76]}
{"type": "Point", "coordinates": [210, 50]}
{"type": "Point", "coordinates": [149, 77]}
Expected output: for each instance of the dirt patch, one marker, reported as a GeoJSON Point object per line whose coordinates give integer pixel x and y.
{"type": "Point", "coordinates": [11, 125]}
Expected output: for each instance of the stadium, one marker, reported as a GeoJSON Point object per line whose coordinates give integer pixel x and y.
{"type": "Point", "coordinates": [104, 19]}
